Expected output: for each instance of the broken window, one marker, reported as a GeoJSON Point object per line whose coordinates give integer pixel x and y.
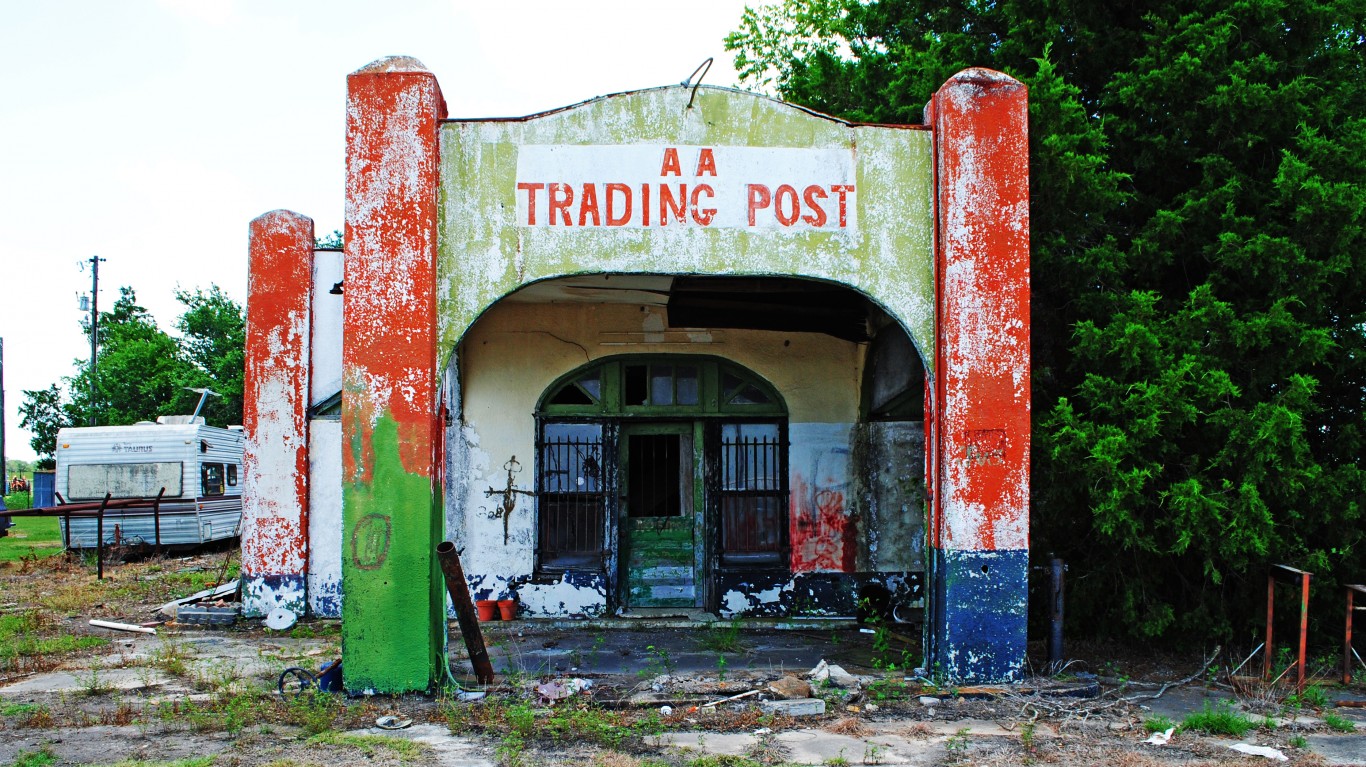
{"type": "Point", "coordinates": [573, 497]}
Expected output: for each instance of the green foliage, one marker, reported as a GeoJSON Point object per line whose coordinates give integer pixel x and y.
{"type": "Point", "coordinates": [1313, 696]}
{"type": "Point", "coordinates": [1198, 234]}
{"type": "Point", "coordinates": [1157, 724]}
{"type": "Point", "coordinates": [1219, 720]}
{"type": "Point", "coordinates": [1339, 723]}
{"type": "Point", "coordinates": [40, 758]}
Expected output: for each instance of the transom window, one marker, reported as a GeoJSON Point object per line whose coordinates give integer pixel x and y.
{"type": "Point", "coordinates": [661, 386]}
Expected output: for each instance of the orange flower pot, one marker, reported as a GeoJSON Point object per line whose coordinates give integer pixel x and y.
{"type": "Point", "coordinates": [488, 609]}
{"type": "Point", "coordinates": [507, 609]}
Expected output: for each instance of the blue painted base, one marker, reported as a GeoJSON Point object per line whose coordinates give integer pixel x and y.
{"type": "Point", "coordinates": [263, 593]}
{"type": "Point", "coordinates": [978, 615]}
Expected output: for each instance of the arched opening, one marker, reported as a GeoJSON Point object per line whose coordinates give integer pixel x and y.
{"type": "Point", "coordinates": [743, 446]}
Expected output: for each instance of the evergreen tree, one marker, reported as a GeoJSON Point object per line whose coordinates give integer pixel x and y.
{"type": "Point", "coordinates": [1199, 304]}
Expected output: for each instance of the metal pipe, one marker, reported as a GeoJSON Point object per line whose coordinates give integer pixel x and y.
{"type": "Point", "coordinates": [156, 517]}
{"type": "Point", "coordinates": [99, 540]}
{"type": "Point", "coordinates": [465, 615]}
{"type": "Point", "coordinates": [1055, 614]}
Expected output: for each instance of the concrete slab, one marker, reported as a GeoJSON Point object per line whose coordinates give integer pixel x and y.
{"type": "Point", "coordinates": [1339, 749]}
{"type": "Point", "coordinates": [114, 679]}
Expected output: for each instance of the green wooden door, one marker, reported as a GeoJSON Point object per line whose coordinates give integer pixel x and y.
{"type": "Point", "coordinates": [660, 493]}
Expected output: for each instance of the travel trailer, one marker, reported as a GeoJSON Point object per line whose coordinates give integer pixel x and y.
{"type": "Point", "coordinates": [196, 468]}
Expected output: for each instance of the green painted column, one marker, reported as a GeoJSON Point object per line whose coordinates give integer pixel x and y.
{"type": "Point", "coordinates": [393, 615]}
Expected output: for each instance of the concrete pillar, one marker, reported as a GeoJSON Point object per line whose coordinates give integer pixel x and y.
{"type": "Point", "coordinates": [275, 414]}
{"type": "Point", "coordinates": [979, 529]}
{"type": "Point", "coordinates": [393, 625]}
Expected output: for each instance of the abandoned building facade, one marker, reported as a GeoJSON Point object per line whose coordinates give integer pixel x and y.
{"type": "Point", "coordinates": [673, 351]}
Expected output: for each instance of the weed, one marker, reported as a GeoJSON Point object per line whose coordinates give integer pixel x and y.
{"type": "Point", "coordinates": [766, 749]}
{"type": "Point", "coordinates": [722, 760]}
{"type": "Point", "coordinates": [18, 709]}
{"type": "Point", "coordinates": [1297, 741]}
{"type": "Point", "coordinates": [872, 754]}
{"type": "Point", "coordinates": [511, 752]}
{"type": "Point", "coordinates": [837, 761]}
{"type": "Point", "coordinates": [1313, 697]}
{"type": "Point", "coordinates": [1219, 720]}
{"type": "Point", "coordinates": [1268, 724]}
{"type": "Point", "coordinates": [721, 668]}
{"type": "Point", "coordinates": [957, 745]}
{"type": "Point", "coordinates": [92, 684]}
{"type": "Point", "coordinates": [659, 663]}
{"type": "Point", "coordinates": [1338, 723]}
{"type": "Point", "coordinates": [1027, 737]}
{"type": "Point", "coordinates": [172, 657]}
{"type": "Point", "coordinates": [312, 711]}
{"type": "Point", "coordinates": [40, 758]}
{"type": "Point", "coordinates": [1157, 724]}
{"type": "Point", "coordinates": [723, 637]}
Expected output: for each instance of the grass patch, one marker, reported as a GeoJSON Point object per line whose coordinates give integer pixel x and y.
{"type": "Point", "coordinates": [1341, 724]}
{"type": "Point", "coordinates": [722, 637]}
{"type": "Point", "coordinates": [40, 758]}
{"type": "Point", "coordinates": [1157, 724]}
{"type": "Point", "coordinates": [1219, 720]}
{"type": "Point", "coordinates": [36, 537]}
{"type": "Point", "coordinates": [371, 744]}
{"type": "Point", "coordinates": [21, 640]}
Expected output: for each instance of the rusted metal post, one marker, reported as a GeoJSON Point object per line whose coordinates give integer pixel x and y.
{"type": "Point", "coordinates": [156, 517]}
{"type": "Point", "coordinates": [1304, 630]}
{"type": "Point", "coordinates": [99, 539]}
{"type": "Point", "coordinates": [1270, 611]}
{"type": "Point", "coordinates": [464, 610]}
{"type": "Point", "coordinates": [1055, 615]}
{"type": "Point", "coordinates": [1347, 651]}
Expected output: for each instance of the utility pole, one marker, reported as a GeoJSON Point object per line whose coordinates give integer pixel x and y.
{"type": "Point", "coordinates": [4, 480]}
{"type": "Point", "coordinates": [94, 336]}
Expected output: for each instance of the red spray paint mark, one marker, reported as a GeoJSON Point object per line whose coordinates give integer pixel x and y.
{"type": "Point", "coordinates": [821, 531]}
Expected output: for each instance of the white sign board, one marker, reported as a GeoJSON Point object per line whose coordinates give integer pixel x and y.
{"type": "Point", "coordinates": [660, 187]}
{"type": "Point", "coordinates": [122, 480]}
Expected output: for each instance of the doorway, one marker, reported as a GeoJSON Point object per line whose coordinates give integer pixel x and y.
{"type": "Point", "coordinates": [660, 516]}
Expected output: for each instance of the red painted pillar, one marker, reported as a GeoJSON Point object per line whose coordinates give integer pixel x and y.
{"type": "Point", "coordinates": [981, 395]}
{"type": "Point", "coordinates": [275, 414]}
{"type": "Point", "coordinates": [393, 603]}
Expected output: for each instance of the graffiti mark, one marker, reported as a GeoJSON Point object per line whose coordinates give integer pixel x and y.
{"type": "Point", "coordinates": [370, 541]}
{"type": "Point", "coordinates": [983, 447]}
{"type": "Point", "coordinates": [821, 530]}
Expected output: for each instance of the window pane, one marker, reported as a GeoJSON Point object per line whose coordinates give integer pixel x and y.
{"type": "Point", "coordinates": [232, 475]}
{"type": "Point", "coordinates": [571, 458]}
{"type": "Point", "coordinates": [687, 385]}
{"type": "Point", "coordinates": [750, 457]}
{"type": "Point", "coordinates": [635, 386]}
{"type": "Point", "coordinates": [750, 395]}
{"type": "Point", "coordinates": [571, 395]}
{"type": "Point", "coordinates": [592, 384]}
{"type": "Point", "coordinates": [661, 384]}
{"type": "Point", "coordinates": [213, 478]}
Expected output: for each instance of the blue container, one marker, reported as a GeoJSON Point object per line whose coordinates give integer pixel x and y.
{"type": "Point", "coordinates": [44, 489]}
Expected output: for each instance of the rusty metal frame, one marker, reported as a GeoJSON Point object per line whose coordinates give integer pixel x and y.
{"type": "Point", "coordinates": [1291, 576]}
{"type": "Point", "coordinates": [1351, 589]}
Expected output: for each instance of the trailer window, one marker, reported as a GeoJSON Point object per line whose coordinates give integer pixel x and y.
{"type": "Point", "coordinates": [122, 480]}
{"type": "Point", "coordinates": [213, 478]}
{"type": "Point", "coordinates": [232, 475]}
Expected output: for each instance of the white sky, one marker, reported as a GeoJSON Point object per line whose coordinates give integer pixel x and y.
{"type": "Point", "coordinates": [150, 132]}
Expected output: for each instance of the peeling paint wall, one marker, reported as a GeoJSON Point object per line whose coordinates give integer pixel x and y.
{"type": "Point", "coordinates": [276, 398]}
{"type": "Point", "coordinates": [324, 518]}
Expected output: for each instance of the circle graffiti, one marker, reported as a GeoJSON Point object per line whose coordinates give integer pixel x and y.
{"type": "Point", "coordinates": [370, 541]}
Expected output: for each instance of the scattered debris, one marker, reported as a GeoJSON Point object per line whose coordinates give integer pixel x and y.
{"type": "Point", "coordinates": [836, 675]}
{"type": "Point", "coordinates": [280, 619]}
{"type": "Point", "coordinates": [799, 707]}
{"type": "Point", "coordinates": [559, 689]}
{"type": "Point", "coordinates": [207, 615]}
{"type": "Point", "coordinates": [715, 703]}
{"type": "Point", "coordinates": [170, 609]}
{"type": "Point", "coordinates": [926, 700]}
{"type": "Point", "coordinates": [391, 722]}
{"type": "Point", "coordinates": [790, 688]}
{"type": "Point", "coordinates": [666, 710]}
{"type": "Point", "coordinates": [1267, 751]}
{"type": "Point", "coordinates": [123, 627]}
{"type": "Point", "coordinates": [1161, 738]}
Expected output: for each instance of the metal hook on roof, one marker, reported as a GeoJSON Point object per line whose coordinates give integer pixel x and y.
{"type": "Point", "coordinates": [704, 68]}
